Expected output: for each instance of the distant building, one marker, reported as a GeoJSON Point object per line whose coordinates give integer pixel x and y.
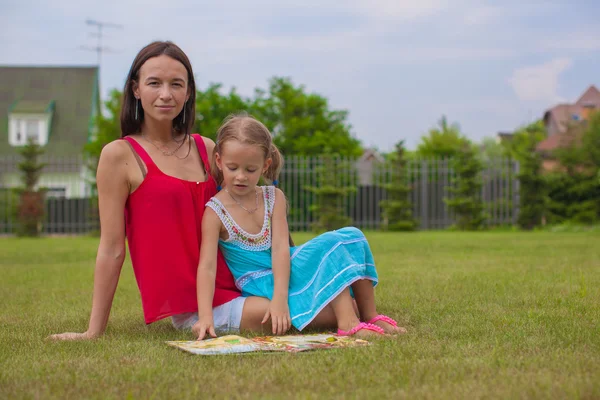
{"type": "Point", "coordinates": [504, 137]}
{"type": "Point", "coordinates": [366, 166]}
{"type": "Point", "coordinates": [56, 107]}
{"type": "Point", "coordinates": [564, 122]}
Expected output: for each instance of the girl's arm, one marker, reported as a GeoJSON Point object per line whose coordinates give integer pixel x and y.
{"type": "Point", "coordinates": [113, 190]}
{"type": "Point", "coordinates": [206, 276]}
{"type": "Point", "coordinates": [280, 255]}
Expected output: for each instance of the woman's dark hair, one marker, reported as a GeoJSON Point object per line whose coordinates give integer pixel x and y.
{"type": "Point", "coordinates": [131, 125]}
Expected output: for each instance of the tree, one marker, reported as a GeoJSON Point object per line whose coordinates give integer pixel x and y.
{"type": "Point", "coordinates": [107, 129]}
{"type": "Point", "coordinates": [532, 196]}
{"type": "Point", "coordinates": [575, 193]}
{"type": "Point", "coordinates": [331, 192]}
{"type": "Point", "coordinates": [533, 188]}
{"type": "Point", "coordinates": [30, 210]}
{"type": "Point", "coordinates": [303, 123]}
{"type": "Point", "coordinates": [397, 208]}
{"type": "Point", "coordinates": [443, 141]}
{"type": "Point", "coordinates": [466, 202]}
{"type": "Point", "coordinates": [591, 144]}
{"type": "Point", "coordinates": [524, 138]}
{"type": "Point", "coordinates": [492, 150]}
{"type": "Point", "coordinates": [212, 107]}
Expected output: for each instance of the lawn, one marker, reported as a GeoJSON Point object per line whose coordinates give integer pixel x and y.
{"type": "Point", "coordinates": [489, 315]}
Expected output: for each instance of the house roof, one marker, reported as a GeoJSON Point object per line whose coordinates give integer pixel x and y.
{"type": "Point", "coordinates": [371, 155]}
{"type": "Point", "coordinates": [31, 107]}
{"type": "Point", "coordinates": [71, 91]}
{"type": "Point", "coordinates": [562, 114]}
{"type": "Point", "coordinates": [572, 135]}
{"type": "Point", "coordinates": [505, 136]}
{"type": "Point", "coordinates": [550, 143]}
{"type": "Point", "coordinates": [591, 97]}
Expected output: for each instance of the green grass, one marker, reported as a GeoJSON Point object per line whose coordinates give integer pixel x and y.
{"type": "Point", "coordinates": [490, 315]}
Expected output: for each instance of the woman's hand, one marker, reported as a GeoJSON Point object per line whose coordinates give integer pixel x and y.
{"type": "Point", "coordinates": [73, 336]}
{"type": "Point", "coordinates": [279, 312]}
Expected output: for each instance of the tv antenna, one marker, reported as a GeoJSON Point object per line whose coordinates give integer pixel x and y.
{"type": "Point", "coordinates": [99, 48]}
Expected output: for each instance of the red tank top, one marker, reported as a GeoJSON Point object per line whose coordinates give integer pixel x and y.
{"type": "Point", "coordinates": [164, 231]}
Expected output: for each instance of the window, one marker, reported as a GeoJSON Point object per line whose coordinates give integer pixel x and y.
{"type": "Point", "coordinates": [32, 130]}
{"type": "Point", "coordinates": [23, 129]}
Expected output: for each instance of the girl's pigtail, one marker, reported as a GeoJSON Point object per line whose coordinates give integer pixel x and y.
{"type": "Point", "coordinates": [272, 173]}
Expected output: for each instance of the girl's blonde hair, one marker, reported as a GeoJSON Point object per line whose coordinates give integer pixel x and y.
{"type": "Point", "coordinates": [248, 130]}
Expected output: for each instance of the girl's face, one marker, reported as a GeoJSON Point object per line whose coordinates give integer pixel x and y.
{"type": "Point", "coordinates": [242, 166]}
{"type": "Point", "coordinates": [162, 88]}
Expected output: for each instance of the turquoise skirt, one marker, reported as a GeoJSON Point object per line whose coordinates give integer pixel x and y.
{"type": "Point", "coordinates": [320, 270]}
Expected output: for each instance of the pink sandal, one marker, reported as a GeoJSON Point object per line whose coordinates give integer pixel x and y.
{"type": "Point", "coordinates": [362, 325]}
{"type": "Point", "coordinates": [383, 318]}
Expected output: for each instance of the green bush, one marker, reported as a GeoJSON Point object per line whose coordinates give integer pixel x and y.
{"type": "Point", "coordinates": [397, 209]}
{"type": "Point", "coordinates": [466, 202]}
{"type": "Point", "coordinates": [331, 192]}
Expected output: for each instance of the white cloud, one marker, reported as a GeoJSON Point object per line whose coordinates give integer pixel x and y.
{"type": "Point", "coordinates": [539, 82]}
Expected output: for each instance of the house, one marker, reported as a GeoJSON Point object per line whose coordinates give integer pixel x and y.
{"type": "Point", "coordinates": [365, 165]}
{"type": "Point", "coordinates": [504, 137]}
{"type": "Point", "coordinates": [56, 107]}
{"type": "Point", "coordinates": [562, 122]}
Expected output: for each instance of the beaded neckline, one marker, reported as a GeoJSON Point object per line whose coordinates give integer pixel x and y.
{"type": "Point", "coordinates": [250, 241]}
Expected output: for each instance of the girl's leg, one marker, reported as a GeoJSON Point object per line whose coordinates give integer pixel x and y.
{"type": "Point", "coordinates": [343, 307]}
{"type": "Point", "coordinates": [255, 308]}
{"type": "Point", "coordinates": [364, 294]}
{"type": "Point", "coordinates": [326, 318]}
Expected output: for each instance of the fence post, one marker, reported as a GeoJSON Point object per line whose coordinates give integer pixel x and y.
{"type": "Point", "coordinates": [516, 194]}
{"type": "Point", "coordinates": [424, 199]}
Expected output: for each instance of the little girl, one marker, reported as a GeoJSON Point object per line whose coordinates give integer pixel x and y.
{"type": "Point", "coordinates": [249, 224]}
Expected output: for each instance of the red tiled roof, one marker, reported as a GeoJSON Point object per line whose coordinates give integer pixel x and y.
{"type": "Point", "coordinates": [590, 97]}
{"type": "Point", "coordinates": [562, 114]}
{"type": "Point", "coordinates": [551, 143]}
{"type": "Point", "coordinates": [567, 116]}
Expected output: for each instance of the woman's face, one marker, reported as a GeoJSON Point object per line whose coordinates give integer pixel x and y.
{"type": "Point", "coordinates": [162, 88]}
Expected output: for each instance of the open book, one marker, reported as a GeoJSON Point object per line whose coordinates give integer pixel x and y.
{"type": "Point", "coordinates": [232, 344]}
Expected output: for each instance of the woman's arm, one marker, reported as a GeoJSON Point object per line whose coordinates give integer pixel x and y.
{"type": "Point", "coordinates": [113, 190]}
{"type": "Point", "coordinates": [207, 273]}
{"type": "Point", "coordinates": [280, 255]}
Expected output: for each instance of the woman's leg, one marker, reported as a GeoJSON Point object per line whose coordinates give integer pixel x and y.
{"type": "Point", "coordinates": [364, 293]}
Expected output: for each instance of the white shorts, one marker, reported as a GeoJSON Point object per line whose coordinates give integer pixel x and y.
{"type": "Point", "coordinates": [227, 317]}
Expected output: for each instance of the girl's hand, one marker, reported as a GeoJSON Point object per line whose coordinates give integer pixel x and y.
{"type": "Point", "coordinates": [73, 336]}
{"type": "Point", "coordinates": [203, 327]}
{"type": "Point", "coordinates": [280, 316]}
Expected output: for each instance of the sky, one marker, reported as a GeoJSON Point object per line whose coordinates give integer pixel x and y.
{"type": "Point", "coordinates": [396, 66]}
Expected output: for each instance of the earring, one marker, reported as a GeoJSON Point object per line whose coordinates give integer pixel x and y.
{"type": "Point", "coordinates": [184, 104]}
{"type": "Point", "coordinates": [136, 108]}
